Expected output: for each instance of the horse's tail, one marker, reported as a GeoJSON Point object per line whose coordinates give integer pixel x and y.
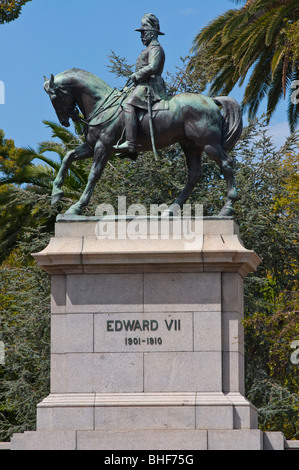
{"type": "Point", "coordinates": [232, 121]}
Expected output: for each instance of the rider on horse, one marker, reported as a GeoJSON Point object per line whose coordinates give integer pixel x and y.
{"type": "Point", "coordinates": [147, 79]}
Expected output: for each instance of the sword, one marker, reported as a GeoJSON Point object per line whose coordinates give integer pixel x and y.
{"type": "Point", "coordinates": [150, 115]}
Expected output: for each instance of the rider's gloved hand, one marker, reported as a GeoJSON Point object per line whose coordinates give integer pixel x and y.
{"type": "Point", "coordinates": [133, 78]}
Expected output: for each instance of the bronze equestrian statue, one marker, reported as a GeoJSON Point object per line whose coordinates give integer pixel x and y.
{"type": "Point", "coordinates": [149, 84]}
{"type": "Point", "coordinates": [149, 119]}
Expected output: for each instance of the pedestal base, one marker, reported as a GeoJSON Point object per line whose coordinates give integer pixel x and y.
{"type": "Point", "coordinates": [178, 440]}
{"type": "Point", "coordinates": [141, 411]}
{"type": "Point", "coordinates": [147, 347]}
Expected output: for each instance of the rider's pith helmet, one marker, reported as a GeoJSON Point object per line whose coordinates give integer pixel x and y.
{"type": "Point", "coordinates": [150, 22]}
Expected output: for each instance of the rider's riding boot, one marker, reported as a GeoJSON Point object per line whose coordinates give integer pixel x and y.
{"type": "Point", "coordinates": [130, 144]}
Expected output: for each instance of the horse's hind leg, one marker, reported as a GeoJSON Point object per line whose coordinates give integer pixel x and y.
{"type": "Point", "coordinates": [225, 162]}
{"type": "Point", "coordinates": [193, 159]}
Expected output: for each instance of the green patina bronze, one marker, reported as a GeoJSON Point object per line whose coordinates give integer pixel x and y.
{"type": "Point", "coordinates": [148, 119]}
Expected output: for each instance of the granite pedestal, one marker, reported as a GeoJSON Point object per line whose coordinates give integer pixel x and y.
{"type": "Point", "coordinates": [147, 345]}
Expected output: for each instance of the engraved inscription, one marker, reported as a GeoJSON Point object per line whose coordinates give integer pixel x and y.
{"type": "Point", "coordinates": [144, 325]}
{"type": "Point", "coordinates": [132, 325]}
{"type": "Point", "coordinates": [141, 332]}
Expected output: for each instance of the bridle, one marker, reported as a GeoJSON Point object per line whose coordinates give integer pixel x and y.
{"type": "Point", "coordinates": [71, 111]}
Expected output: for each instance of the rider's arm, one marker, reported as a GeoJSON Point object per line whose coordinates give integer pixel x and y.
{"type": "Point", "coordinates": [156, 58]}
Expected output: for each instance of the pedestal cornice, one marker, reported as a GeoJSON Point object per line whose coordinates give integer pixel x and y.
{"type": "Point", "coordinates": [77, 248]}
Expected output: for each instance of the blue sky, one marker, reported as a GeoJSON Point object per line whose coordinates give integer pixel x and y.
{"type": "Point", "coordinates": [51, 36]}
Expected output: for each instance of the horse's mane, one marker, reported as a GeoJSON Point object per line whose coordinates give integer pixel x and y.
{"type": "Point", "coordinates": [82, 75]}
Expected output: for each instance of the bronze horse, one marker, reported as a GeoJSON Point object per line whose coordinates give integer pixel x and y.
{"type": "Point", "coordinates": [193, 120]}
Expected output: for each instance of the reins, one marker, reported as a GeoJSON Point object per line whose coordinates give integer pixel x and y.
{"type": "Point", "coordinates": [117, 101]}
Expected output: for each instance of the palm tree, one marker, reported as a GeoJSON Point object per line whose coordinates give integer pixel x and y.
{"type": "Point", "coordinates": [26, 177]}
{"type": "Point", "coordinates": [257, 41]}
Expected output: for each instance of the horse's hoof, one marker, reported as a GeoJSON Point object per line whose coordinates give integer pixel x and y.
{"type": "Point", "coordinates": [56, 196]}
{"type": "Point", "coordinates": [73, 210]}
{"type": "Point", "coordinates": [226, 212]}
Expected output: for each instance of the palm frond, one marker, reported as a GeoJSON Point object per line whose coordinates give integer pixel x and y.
{"type": "Point", "coordinates": [50, 146]}
{"type": "Point", "coordinates": [252, 40]}
{"type": "Point", "coordinates": [207, 34]}
{"type": "Point", "coordinates": [60, 132]}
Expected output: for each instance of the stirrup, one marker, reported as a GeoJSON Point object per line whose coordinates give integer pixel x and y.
{"type": "Point", "coordinates": [126, 147]}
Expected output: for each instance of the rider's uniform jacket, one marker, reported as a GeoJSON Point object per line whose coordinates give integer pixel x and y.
{"type": "Point", "coordinates": [148, 71]}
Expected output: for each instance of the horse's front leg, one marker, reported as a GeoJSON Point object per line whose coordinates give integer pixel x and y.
{"type": "Point", "coordinates": [101, 156]}
{"type": "Point", "coordinates": [79, 153]}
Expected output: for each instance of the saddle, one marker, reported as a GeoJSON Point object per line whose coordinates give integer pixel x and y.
{"type": "Point", "coordinates": [162, 105]}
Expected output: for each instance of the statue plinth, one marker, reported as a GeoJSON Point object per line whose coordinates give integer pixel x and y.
{"type": "Point", "coordinates": [147, 345]}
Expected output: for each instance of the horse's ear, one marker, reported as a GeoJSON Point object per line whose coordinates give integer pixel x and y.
{"type": "Point", "coordinates": [46, 79]}
{"type": "Point", "coordinates": [51, 81]}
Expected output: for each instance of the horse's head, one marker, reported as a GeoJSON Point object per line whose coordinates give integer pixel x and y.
{"type": "Point", "coordinates": [62, 100]}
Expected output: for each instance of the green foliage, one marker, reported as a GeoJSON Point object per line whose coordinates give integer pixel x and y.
{"type": "Point", "coordinates": [267, 213]}
{"type": "Point", "coordinates": [119, 66]}
{"type": "Point", "coordinates": [257, 41]}
{"type": "Point", "coordinates": [10, 9]}
{"type": "Point", "coordinates": [25, 325]}
{"type": "Point", "coordinates": [26, 185]}
{"type": "Point", "coordinates": [267, 209]}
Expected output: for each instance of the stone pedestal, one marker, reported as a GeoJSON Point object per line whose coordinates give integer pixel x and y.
{"type": "Point", "coordinates": [147, 347]}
